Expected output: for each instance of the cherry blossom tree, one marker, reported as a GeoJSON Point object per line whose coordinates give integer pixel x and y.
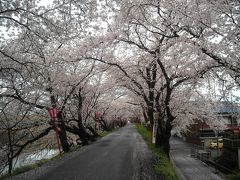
{"type": "Point", "coordinates": [29, 30]}
{"type": "Point", "coordinates": [20, 126]}
{"type": "Point", "coordinates": [81, 60]}
{"type": "Point", "coordinates": [161, 59]}
{"type": "Point", "coordinates": [214, 29]}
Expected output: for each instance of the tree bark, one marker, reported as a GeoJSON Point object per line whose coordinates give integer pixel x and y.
{"type": "Point", "coordinates": [62, 133]}
{"type": "Point", "coordinates": [165, 133]}
{"type": "Point", "coordinates": [10, 154]}
{"type": "Point", "coordinates": [95, 134]}
{"type": "Point", "coordinates": [165, 145]}
{"type": "Point", "coordinates": [82, 130]}
{"type": "Point", "coordinates": [82, 134]}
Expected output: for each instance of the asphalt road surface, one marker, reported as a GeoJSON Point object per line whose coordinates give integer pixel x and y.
{"type": "Point", "coordinates": [186, 166]}
{"type": "Point", "coordinates": [122, 155]}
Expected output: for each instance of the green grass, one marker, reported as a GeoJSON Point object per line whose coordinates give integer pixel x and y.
{"type": "Point", "coordinates": [19, 170]}
{"type": "Point", "coordinates": [74, 148]}
{"type": "Point", "coordinates": [232, 176]}
{"type": "Point", "coordinates": [163, 165]}
{"type": "Point", "coordinates": [105, 133]}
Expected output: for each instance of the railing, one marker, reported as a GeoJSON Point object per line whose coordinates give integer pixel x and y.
{"type": "Point", "coordinates": [201, 154]}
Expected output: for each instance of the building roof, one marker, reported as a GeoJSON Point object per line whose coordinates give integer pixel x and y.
{"type": "Point", "coordinates": [225, 107]}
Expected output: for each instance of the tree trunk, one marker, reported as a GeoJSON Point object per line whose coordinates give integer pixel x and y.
{"type": "Point", "coordinates": [164, 127]}
{"type": "Point", "coordinates": [82, 134]}
{"type": "Point", "coordinates": [163, 138]}
{"type": "Point", "coordinates": [159, 138]}
{"type": "Point", "coordinates": [165, 133]}
{"type": "Point", "coordinates": [10, 153]}
{"type": "Point", "coordinates": [151, 81]}
{"type": "Point", "coordinates": [104, 125]}
{"type": "Point", "coordinates": [62, 133]}
{"type": "Point", "coordinates": [82, 130]}
{"type": "Point", "coordinates": [10, 161]}
{"type": "Point", "coordinates": [145, 116]}
{"type": "Point", "coordinates": [166, 140]}
{"type": "Point", "coordinates": [150, 115]}
{"type": "Point", "coordinates": [92, 130]}
{"type": "Point", "coordinates": [84, 137]}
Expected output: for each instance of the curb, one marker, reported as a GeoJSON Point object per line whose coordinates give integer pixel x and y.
{"type": "Point", "coordinates": [178, 172]}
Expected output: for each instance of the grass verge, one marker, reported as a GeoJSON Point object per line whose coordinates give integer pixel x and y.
{"type": "Point", "coordinates": [232, 176]}
{"type": "Point", "coordinates": [105, 133]}
{"type": "Point", "coordinates": [163, 165]}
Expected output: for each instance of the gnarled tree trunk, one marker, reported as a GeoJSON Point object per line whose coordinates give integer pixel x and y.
{"type": "Point", "coordinates": [62, 133]}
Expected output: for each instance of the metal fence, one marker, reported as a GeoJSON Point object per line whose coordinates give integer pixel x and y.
{"type": "Point", "coordinates": [200, 153]}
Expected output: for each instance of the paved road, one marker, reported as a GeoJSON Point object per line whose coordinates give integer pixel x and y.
{"type": "Point", "coordinates": [187, 167]}
{"type": "Point", "coordinates": [118, 156]}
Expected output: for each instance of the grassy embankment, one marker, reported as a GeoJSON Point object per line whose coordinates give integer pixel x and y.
{"type": "Point", "coordinates": [163, 165]}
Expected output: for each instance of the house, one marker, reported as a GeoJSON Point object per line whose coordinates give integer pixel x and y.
{"type": "Point", "coordinates": [229, 112]}
{"type": "Point", "coordinates": [202, 134]}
